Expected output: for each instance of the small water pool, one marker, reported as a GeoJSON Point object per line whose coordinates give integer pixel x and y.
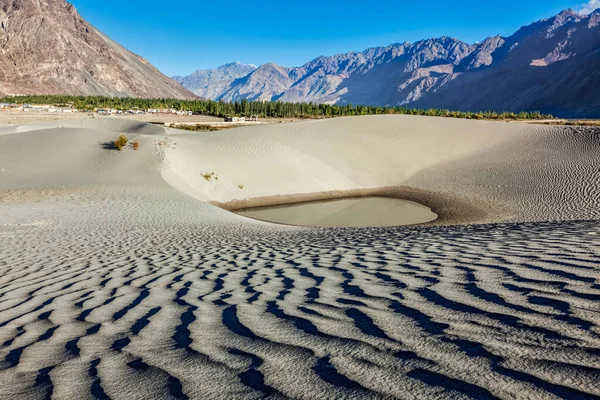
{"type": "Point", "coordinates": [349, 212]}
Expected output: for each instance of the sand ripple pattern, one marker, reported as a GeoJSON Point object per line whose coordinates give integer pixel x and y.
{"type": "Point", "coordinates": [182, 310]}
{"type": "Point", "coordinates": [113, 284]}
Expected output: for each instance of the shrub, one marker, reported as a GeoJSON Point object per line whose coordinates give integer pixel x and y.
{"type": "Point", "coordinates": [205, 128]}
{"type": "Point", "coordinates": [135, 145]}
{"type": "Point", "coordinates": [209, 176]}
{"type": "Point", "coordinates": [120, 142]}
{"type": "Point", "coordinates": [241, 186]}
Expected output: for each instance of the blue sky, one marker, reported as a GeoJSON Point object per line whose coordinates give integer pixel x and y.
{"type": "Point", "coordinates": [181, 36]}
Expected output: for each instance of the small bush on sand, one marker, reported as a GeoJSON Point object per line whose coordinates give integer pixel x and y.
{"type": "Point", "coordinates": [241, 186]}
{"type": "Point", "coordinates": [135, 145]}
{"type": "Point", "coordinates": [120, 142]}
{"type": "Point", "coordinates": [205, 128]}
{"type": "Point", "coordinates": [209, 176]}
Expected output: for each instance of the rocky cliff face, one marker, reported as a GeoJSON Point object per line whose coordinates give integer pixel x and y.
{"type": "Point", "coordinates": [552, 66]}
{"type": "Point", "coordinates": [47, 48]}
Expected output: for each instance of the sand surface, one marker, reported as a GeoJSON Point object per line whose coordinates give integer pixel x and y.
{"type": "Point", "coordinates": [13, 117]}
{"type": "Point", "coordinates": [119, 279]}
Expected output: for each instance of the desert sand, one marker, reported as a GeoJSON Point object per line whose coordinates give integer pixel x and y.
{"type": "Point", "coordinates": [120, 277]}
{"type": "Point", "coordinates": [15, 117]}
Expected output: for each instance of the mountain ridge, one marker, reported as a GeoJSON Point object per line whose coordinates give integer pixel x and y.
{"type": "Point", "coordinates": [539, 68]}
{"type": "Point", "coordinates": [208, 83]}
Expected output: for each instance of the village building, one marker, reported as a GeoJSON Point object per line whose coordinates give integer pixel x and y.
{"type": "Point", "coordinates": [36, 108]}
{"type": "Point", "coordinates": [235, 119]}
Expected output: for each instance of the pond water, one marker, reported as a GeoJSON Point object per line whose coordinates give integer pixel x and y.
{"type": "Point", "coordinates": [350, 212]}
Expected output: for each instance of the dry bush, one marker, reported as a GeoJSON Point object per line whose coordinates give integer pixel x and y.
{"type": "Point", "coordinates": [209, 176]}
{"type": "Point", "coordinates": [241, 186]}
{"type": "Point", "coordinates": [121, 142]}
{"type": "Point", "coordinates": [204, 127]}
{"type": "Point", "coordinates": [135, 145]}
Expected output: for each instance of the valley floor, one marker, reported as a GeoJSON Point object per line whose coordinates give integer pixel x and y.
{"type": "Point", "coordinates": [119, 280]}
{"type": "Point", "coordinates": [9, 117]}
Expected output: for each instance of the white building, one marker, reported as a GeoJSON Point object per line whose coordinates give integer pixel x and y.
{"type": "Point", "coordinates": [235, 119]}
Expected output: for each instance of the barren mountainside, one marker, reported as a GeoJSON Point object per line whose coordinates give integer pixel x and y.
{"type": "Point", "coordinates": [46, 47]}
{"type": "Point", "coordinates": [552, 65]}
{"type": "Point", "coordinates": [212, 82]}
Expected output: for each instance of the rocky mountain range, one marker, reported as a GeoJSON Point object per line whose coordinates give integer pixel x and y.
{"type": "Point", "coordinates": [46, 47]}
{"type": "Point", "coordinates": [212, 82]}
{"type": "Point", "coordinates": [552, 65]}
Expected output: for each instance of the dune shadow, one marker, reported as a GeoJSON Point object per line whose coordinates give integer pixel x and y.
{"type": "Point", "coordinates": [327, 372]}
{"type": "Point", "coordinates": [252, 377]}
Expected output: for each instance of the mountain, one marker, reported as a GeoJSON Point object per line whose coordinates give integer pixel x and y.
{"type": "Point", "coordinates": [212, 82]}
{"type": "Point", "coordinates": [46, 47]}
{"type": "Point", "coordinates": [552, 65]}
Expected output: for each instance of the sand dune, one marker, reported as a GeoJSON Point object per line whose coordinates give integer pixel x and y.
{"type": "Point", "coordinates": [119, 280]}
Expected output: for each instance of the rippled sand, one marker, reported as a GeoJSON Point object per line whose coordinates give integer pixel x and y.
{"type": "Point", "coordinates": [119, 280]}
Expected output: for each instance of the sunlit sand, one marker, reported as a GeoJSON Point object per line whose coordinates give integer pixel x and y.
{"type": "Point", "coordinates": [125, 272]}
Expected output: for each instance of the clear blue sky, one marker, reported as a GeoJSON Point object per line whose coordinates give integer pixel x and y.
{"type": "Point", "coordinates": [181, 36]}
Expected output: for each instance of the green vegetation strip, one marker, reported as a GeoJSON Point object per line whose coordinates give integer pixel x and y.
{"type": "Point", "coordinates": [244, 108]}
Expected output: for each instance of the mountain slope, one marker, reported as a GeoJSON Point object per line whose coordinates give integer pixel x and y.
{"type": "Point", "coordinates": [551, 66]}
{"type": "Point", "coordinates": [212, 82]}
{"type": "Point", "coordinates": [267, 82]}
{"type": "Point", "coordinates": [46, 47]}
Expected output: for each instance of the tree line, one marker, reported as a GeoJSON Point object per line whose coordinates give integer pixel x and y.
{"type": "Point", "coordinates": [266, 109]}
